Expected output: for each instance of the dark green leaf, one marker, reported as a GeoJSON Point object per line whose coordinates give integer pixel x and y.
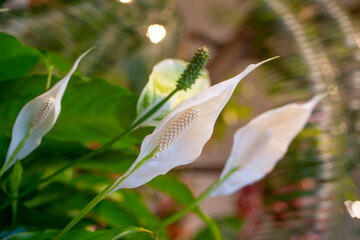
{"type": "Point", "coordinates": [14, 185]}
{"type": "Point", "coordinates": [133, 230]}
{"type": "Point", "coordinates": [176, 189]}
{"type": "Point", "coordinates": [230, 227]}
{"type": "Point", "coordinates": [128, 201]}
{"type": "Point", "coordinates": [15, 178]}
{"type": "Point", "coordinates": [16, 60]}
{"type": "Point", "coordinates": [60, 63]}
{"type": "Point", "coordinates": [107, 234]}
{"type": "Point", "coordinates": [182, 194]}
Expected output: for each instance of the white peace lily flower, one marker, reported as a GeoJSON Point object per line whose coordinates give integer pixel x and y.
{"type": "Point", "coordinates": [179, 138]}
{"type": "Point", "coordinates": [36, 119]}
{"type": "Point", "coordinates": [353, 208]}
{"type": "Point", "coordinates": [260, 144]}
{"type": "Point", "coordinates": [162, 81]}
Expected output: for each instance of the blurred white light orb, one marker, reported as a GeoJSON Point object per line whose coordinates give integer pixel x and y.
{"type": "Point", "coordinates": [156, 33]}
{"type": "Point", "coordinates": [125, 1]}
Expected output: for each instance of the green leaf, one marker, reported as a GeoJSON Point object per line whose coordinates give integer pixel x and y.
{"type": "Point", "coordinates": [14, 185]}
{"type": "Point", "coordinates": [60, 63]}
{"type": "Point", "coordinates": [182, 194]}
{"type": "Point", "coordinates": [136, 205]}
{"type": "Point", "coordinates": [36, 235]}
{"type": "Point", "coordinates": [36, 218]}
{"type": "Point", "coordinates": [128, 201]}
{"type": "Point", "coordinates": [132, 230]}
{"type": "Point", "coordinates": [230, 227]}
{"type": "Point", "coordinates": [4, 144]}
{"type": "Point", "coordinates": [94, 112]}
{"type": "Point", "coordinates": [16, 59]}
{"type": "Point", "coordinates": [109, 161]}
{"type": "Point", "coordinates": [108, 234]}
{"type": "Point", "coordinates": [63, 200]}
{"type": "Point", "coordinates": [171, 186]}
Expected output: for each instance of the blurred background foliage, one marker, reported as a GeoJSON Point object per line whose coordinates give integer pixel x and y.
{"type": "Point", "coordinates": [318, 41]}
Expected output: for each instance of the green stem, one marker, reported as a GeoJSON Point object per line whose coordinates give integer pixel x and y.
{"type": "Point", "coordinates": [214, 228]}
{"type": "Point", "coordinates": [50, 70]}
{"type": "Point", "coordinates": [93, 153]}
{"type": "Point", "coordinates": [84, 211]}
{"type": "Point", "coordinates": [154, 109]}
{"type": "Point", "coordinates": [17, 150]}
{"type": "Point", "coordinates": [103, 194]}
{"type": "Point", "coordinates": [204, 195]}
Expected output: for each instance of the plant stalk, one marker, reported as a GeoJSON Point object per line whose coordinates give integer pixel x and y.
{"type": "Point", "coordinates": [17, 150]}
{"type": "Point", "coordinates": [195, 203]}
{"type": "Point", "coordinates": [103, 194]}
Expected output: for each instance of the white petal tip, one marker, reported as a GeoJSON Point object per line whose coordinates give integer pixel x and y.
{"type": "Point", "coordinates": [267, 60]}
{"type": "Point", "coordinates": [85, 53]}
{"type": "Point", "coordinates": [316, 99]}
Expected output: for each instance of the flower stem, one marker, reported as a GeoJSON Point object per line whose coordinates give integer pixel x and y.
{"type": "Point", "coordinates": [91, 154]}
{"type": "Point", "coordinates": [189, 207]}
{"type": "Point", "coordinates": [17, 150]}
{"type": "Point", "coordinates": [214, 228]}
{"type": "Point", "coordinates": [154, 109]}
{"type": "Point", "coordinates": [84, 211]}
{"type": "Point", "coordinates": [50, 70]}
{"type": "Point", "coordinates": [103, 194]}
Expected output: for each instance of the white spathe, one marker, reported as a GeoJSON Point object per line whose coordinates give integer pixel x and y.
{"type": "Point", "coordinates": [30, 111]}
{"type": "Point", "coordinates": [260, 144]}
{"type": "Point", "coordinates": [353, 208]}
{"type": "Point", "coordinates": [205, 107]}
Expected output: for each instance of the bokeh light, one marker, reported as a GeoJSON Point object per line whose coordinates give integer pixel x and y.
{"type": "Point", "coordinates": [156, 33]}
{"type": "Point", "coordinates": [125, 1]}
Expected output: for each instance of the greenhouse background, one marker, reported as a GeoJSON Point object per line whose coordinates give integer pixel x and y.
{"type": "Point", "coordinates": [318, 44]}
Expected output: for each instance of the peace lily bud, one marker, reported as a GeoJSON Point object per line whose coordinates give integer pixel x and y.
{"type": "Point", "coordinates": [353, 208]}
{"type": "Point", "coordinates": [168, 75]}
{"type": "Point", "coordinates": [36, 119]}
{"type": "Point", "coordinates": [179, 138]}
{"type": "Point", "coordinates": [260, 144]}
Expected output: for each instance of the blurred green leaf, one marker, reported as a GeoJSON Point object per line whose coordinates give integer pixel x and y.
{"type": "Point", "coordinates": [14, 185]}
{"type": "Point", "coordinates": [171, 186]}
{"type": "Point", "coordinates": [109, 161]}
{"type": "Point", "coordinates": [108, 234]}
{"type": "Point", "coordinates": [135, 204]}
{"type": "Point", "coordinates": [230, 227]}
{"type": "Point", "coordinates": [129, 201]}
{"type": "Point", "coordinates": [122, 208]}
{"type": "Point", "coordinates": [65, 201]}
{"type": "Point", "coordinates": [94, 112]}
{"type": "Point", "coordinates": [132, 230]}
{"type": "Point", "coordinates": [16, 59]}
{"type": "Point", "coordinates": [5, 234]}
{"type": "Point", "coordinates": [60, 63]}
{"type": "Point", "coordinates": [182, 194]}
{"type": "Point", "coordinates": [38, 235]}
{"type": "Point", "coordinates": [39, 218]}
{"type": "Point", "coordinates": [4, 144]}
